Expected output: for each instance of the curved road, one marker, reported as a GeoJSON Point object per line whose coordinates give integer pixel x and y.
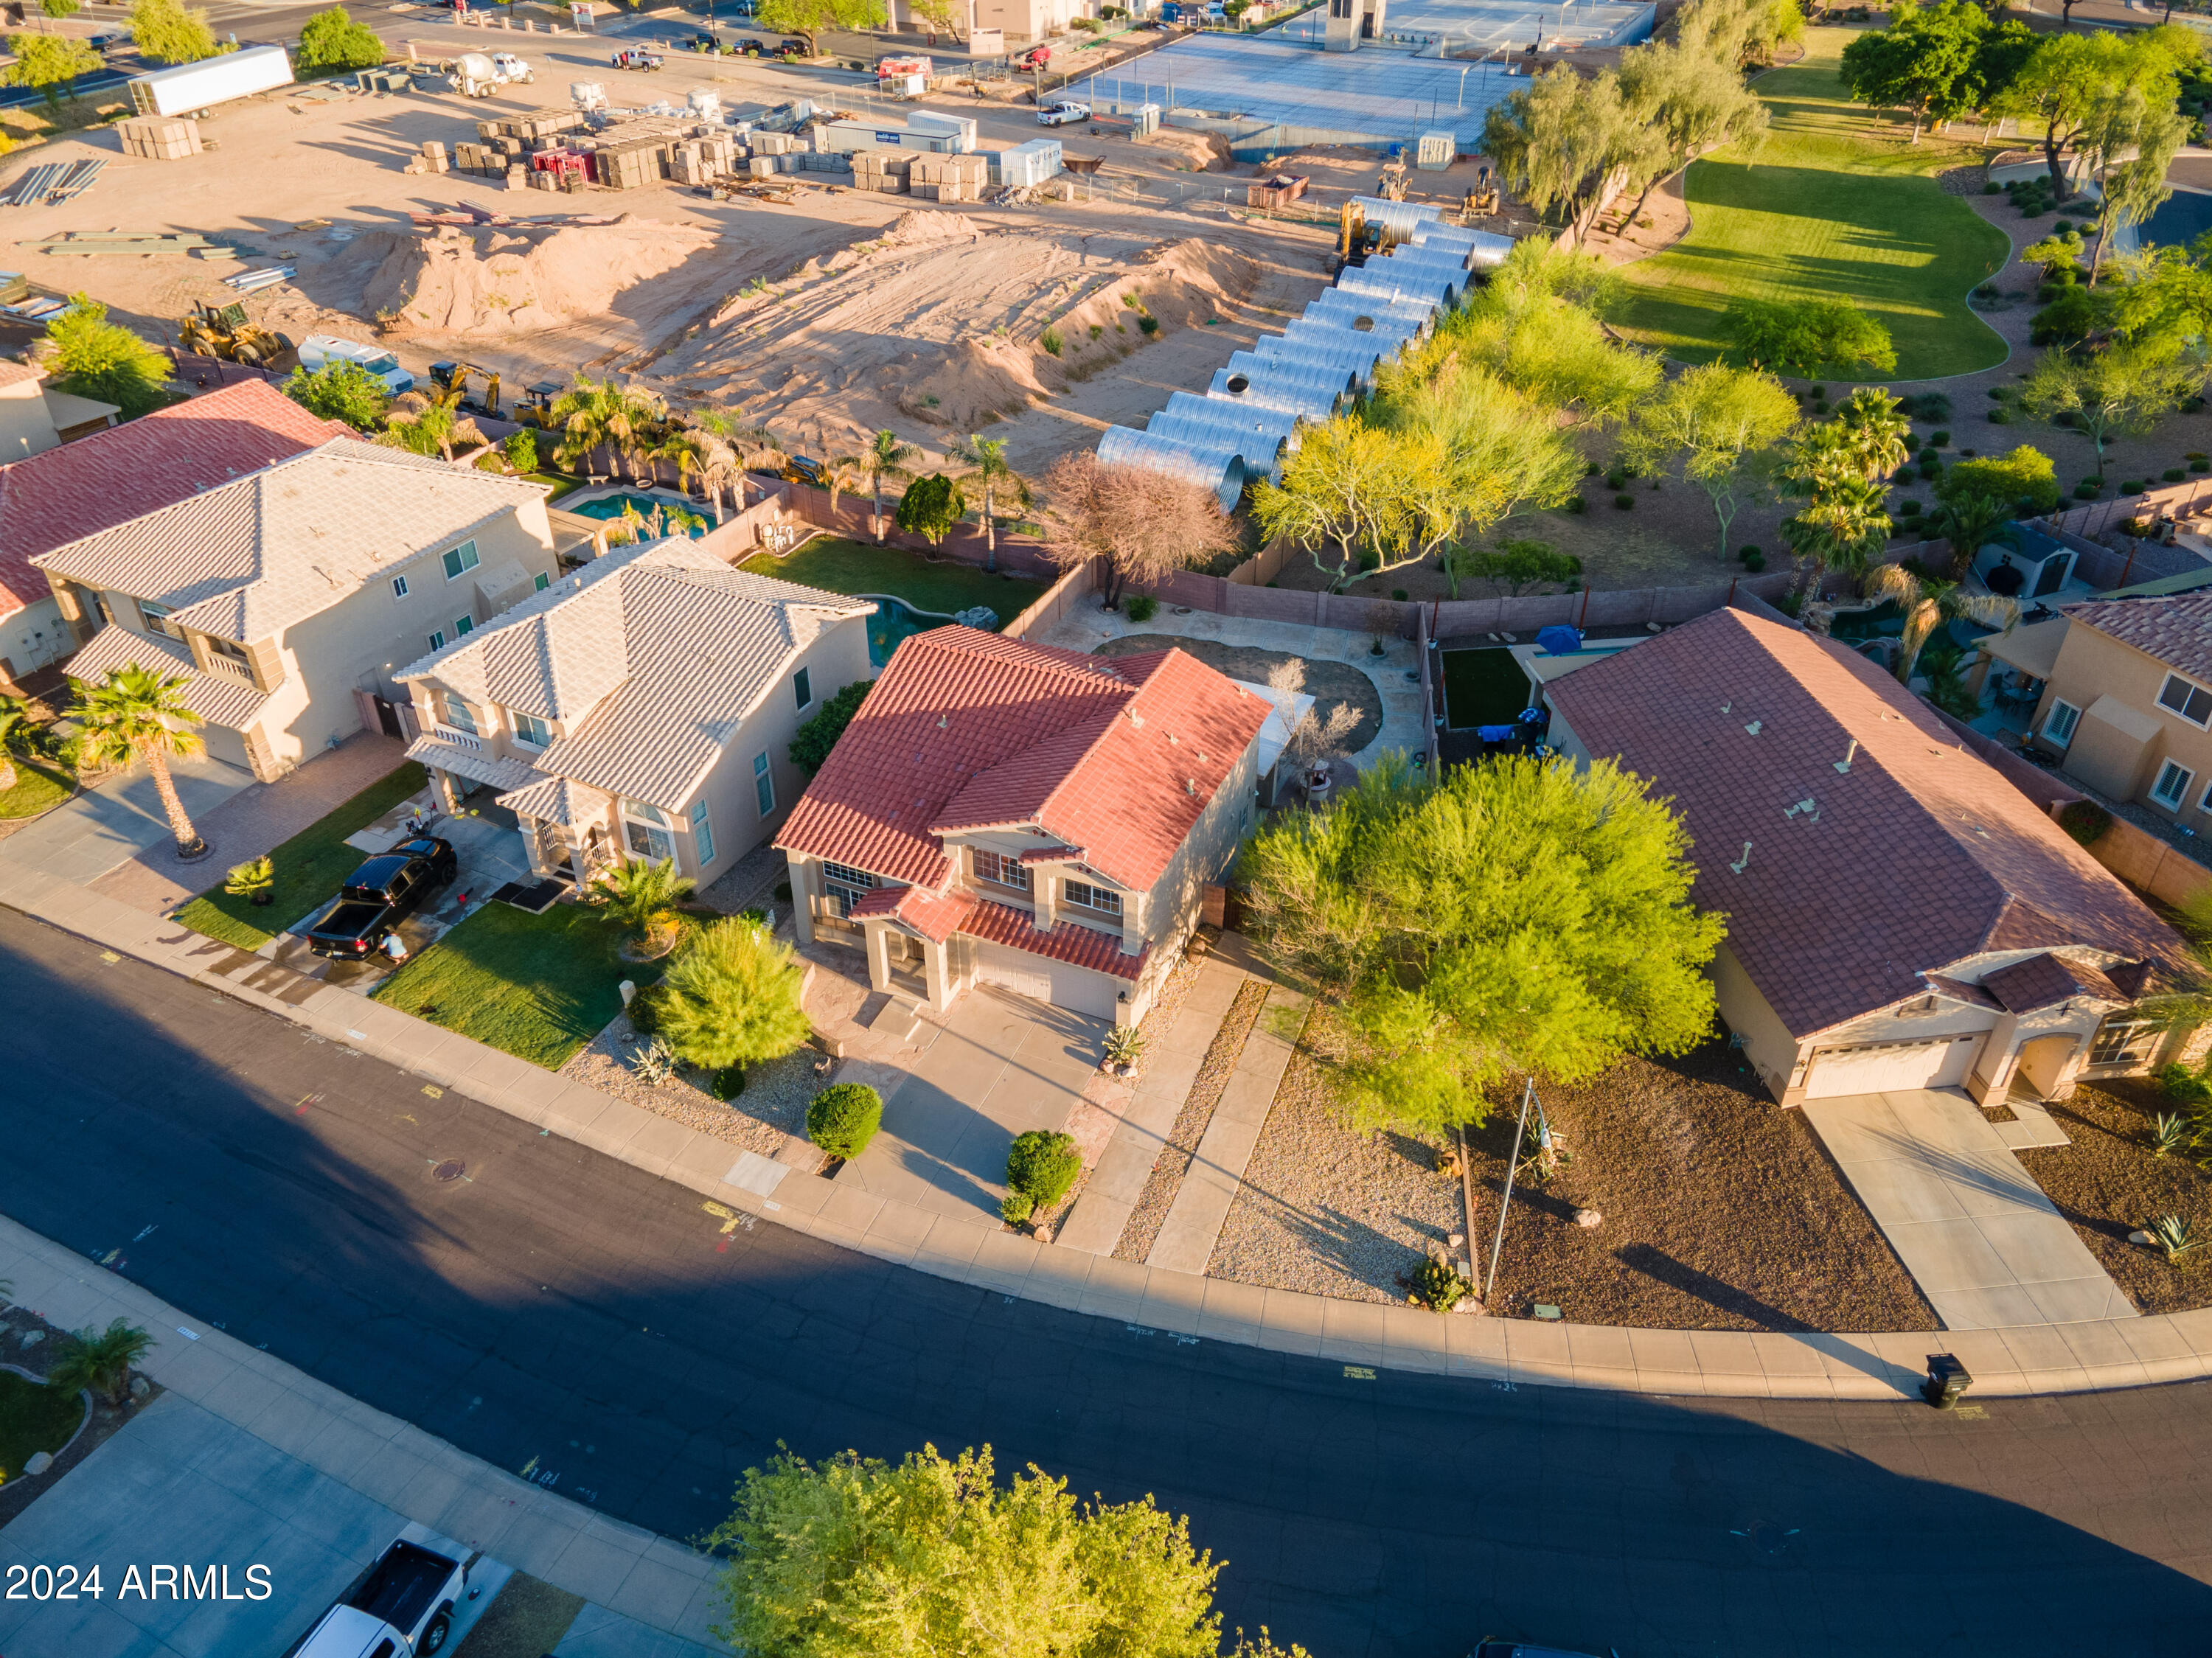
{"type": "Point", "coordinates": [555, 1305]}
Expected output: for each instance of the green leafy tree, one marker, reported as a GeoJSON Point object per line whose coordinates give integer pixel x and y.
{"type": "Point", "coordinates": [60, 8]}
{"type": "Point", "coordinates": [887, 456]}
{"type": "Point", "coordinates": [1560, 141]}
{"type": "Point", "coordinates": [135, 714]}
{"type": "Point", "coordinates": [2067, 77]}
{"type": "Point", "coordinates": [49, 62]}
{"type": "Point", "coordinates": [332, 41]}
{"type": "Point", "coordinates": [2120, 391]}
{"type": "Point", "coordinates": [987, 456]}
{"type": "Point", "coordinates": [811, 18]}
{"type": "Point", "coordinates": [1925, 61]}
{"type": "Point", "coordinates": [2130, 142]}
{"type": "Point", "coordinates": [15, 725]}
{"type": "Point", "coordinates": [100, 1360]}
{"type": "Point", "coordinates": [343, 392]}
{"type": "Point", "coordinates": [1807, 336]}
{"type": "Point", "coordinates": [2025, 480]}
{"type": "Point", "coordinates": [169, 32]}
{"type": "Point", "coordinates": [422, 427]}
{"type": "Point", "coordinates": [641, 894]}
{"type": "Point", "coordinates": [1536, 324]}
{"type": "Point", "coordinates": [94, 358]}
{"type": "Point", "coordinates": [1722, 422]}
{"type": "Point", "coordinates": [1689, 100]}
{"type": "Point", "coordinates": [1041, 1164]}
{"type": "Point", "coordinates": [730, 997]}
{"type": "Point", "coordinates": [811, 745]}
{"type": "Point", "coordinates": [1928, 601]}
{"type": "Point", "coordinates": [1517, 916]}
{"type": "Point", "coordinates": [931, 506]}
{"type": "Point", "coordinates": [520, 449]}
{"type": "Point", "coordinates": [854, 1559]}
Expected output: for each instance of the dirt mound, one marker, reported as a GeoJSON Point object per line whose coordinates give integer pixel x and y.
{"type": "Point", "coordinates": [1201, 152]}
{"type": "Point", "coordinates": [960, 386]}
{"type": "Point", "coordinates": [918, 227]}
{"type": "Point", "coordinates": [508, 281]}
{"type": "Point", "coordinates": [1180, 285]}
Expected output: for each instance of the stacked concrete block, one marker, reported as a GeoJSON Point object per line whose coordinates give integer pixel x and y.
{"type": "Point", "coordinates": [886, 171]}
{"type": "Point", "coordinates": [949, 178]}
{"type": "Point", "coordinates": [152, 139]}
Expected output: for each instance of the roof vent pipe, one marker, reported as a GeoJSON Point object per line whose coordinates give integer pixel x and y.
{"type": "Point", "coordinates": [1845, 764]}
{"type": "Point", "coordinates": [1741, 863]}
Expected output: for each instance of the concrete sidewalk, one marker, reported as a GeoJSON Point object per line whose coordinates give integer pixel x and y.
{"type": "Point", "coordinates": [84, 838]}
{"type": "Point", "coordinates": [247, 1459]}
{"type": "Point", "coordinates": [972, 1249]}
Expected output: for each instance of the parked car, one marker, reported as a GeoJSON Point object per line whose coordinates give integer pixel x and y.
{"type": "Point", "coordinates": [704, 40]}
{"type": "Point", "coordinates": [792, 46]}
{"type": "Point", "coordinates": [108, 38]}
{"type": "Point", "coordinates": [403, 1604]}
{"type": "Point", "coordinates": [638, 58]}
{"type": "Point", "coordinates": [380, 894]}
{"type": "Point", "coordinates": [1061, 115]}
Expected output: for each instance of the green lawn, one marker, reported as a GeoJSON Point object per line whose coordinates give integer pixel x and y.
{"type": "Point", "coordinates": [562, 483]}
{"type": "Point", "coordinates": [38, 788]}
{"type": "Point", "coordinates": [537, 986]}
{"type": "Point", "coordinates": [33, 1418]}
{"type": "Point", "coordinates": [855, 567]}
{"type": "Point", "coordinates": [1834, 204]}
{"type": "Point", "coordinates": [309, 867]}
{"type": "Point", "coordinates": [1483, 687]}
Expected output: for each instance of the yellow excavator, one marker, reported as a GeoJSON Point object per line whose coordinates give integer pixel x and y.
{"type": "Point", "coordinates": [1481, 202]}
{"type": "Point", "coordinates": [452, 380]}
{"type": "Point", "coordinates": [1391, 184]}
{"type": "Point", "coordinates": [223, 331]}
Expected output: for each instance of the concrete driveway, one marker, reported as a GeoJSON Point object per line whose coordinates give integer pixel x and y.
{"type": "Point", "coordinates": [1985, 1245]}
{"type": "Point", "coordinates": [1002, 1065]}
{"type": "Point", "coordinates": [111, 824]}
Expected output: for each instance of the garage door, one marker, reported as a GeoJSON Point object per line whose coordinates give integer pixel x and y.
{"type": "Point", "coordinates": [1887, 1066]}
{"type": "Point", "coordinates": [1076, 989]}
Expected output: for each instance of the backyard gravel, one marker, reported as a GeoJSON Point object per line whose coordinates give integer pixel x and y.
{"type": "Point", "coordinates": [1142, 1229]}
{"type": "Point", "coordinates": [1329, 683]}
{"type": "Point", "coordinates": [2108, 1183]}
{"type": "Point", "coordinates": [772, 1108]}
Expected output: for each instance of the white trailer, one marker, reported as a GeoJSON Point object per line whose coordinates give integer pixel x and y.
{"type": "Point", "coordinates": [191, 86]}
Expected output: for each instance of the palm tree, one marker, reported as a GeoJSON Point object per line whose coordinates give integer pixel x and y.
{"type": "Point", "coordinates": [988, 457]}
{"type": "Point", "coordinates": [422, 427]}
{"type": "Point", "coordinates": [886, 457]}
{"type": "Point", "coordinates": [1928, 601]}
{"type": "Point", "coordinates": [1874, 431]}
{"type": "Point", "coordinates": [14, 712]}
{"type": "Point", "coordinates": [642, 895]}
{"type": "Point", "coordinates": [1971, 523]}
{"type": "Point", "coordinates": [100, 1360]}
{"type": "Point", "coordinates": [138, 714]}
{"type": "Point", "coordinates": [1846, 520]}
{"type": "Point", "coordinates": [596, 414]}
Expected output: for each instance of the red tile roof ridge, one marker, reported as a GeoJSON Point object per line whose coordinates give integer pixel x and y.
{"type": "Point", "coordinates": [1070, 941]}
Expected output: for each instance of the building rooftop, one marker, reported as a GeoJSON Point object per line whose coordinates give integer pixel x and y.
{"type": "Point", "coordinates": [2177, 630]}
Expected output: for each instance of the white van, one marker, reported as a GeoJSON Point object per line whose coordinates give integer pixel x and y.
{"type": "Point", "coordinates": [318, 351]}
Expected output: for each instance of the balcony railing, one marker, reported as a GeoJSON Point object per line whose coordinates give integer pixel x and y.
{"type": "Point", "coordinates": [460, 739]}
{"type": "Point", "coordinates": [222, 665]}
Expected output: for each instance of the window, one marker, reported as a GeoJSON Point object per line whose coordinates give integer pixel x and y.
{"type": "Point", "coordinates": [461, 560]}
{"type": "Point", "coordinates": [802, 687]}
{"type": "Point", "coordinates": [2059, 725]}
{"type": "Point", "coordinates": [437, 641]}
{"type": "Point", "coordinates": [458, 713]}
{"type": "Point", "coordinates": [2172, 786]}
{"type": "Point", "coordinates": [226, 648]}
{"type": "Point", "coordinates": [844, 886]}
{"type": "Point", "coordinates": [529, 728]}
{"type": "Point", "coordinates": [464, 626]}
{"type": "Point", "coordinates": [399, 586]}
{"type": "Point", "coordinates": [2192, 703]}
{"type": "Point", "coordinates": [1086, 896]}
{"type": "Point", "coordinates": [763, 784]}
{"type": "Point", "coordinates": [542, 582]}
{"type": "Point", "coordinates": [644, 834]}
{"type": "Point", "coordinates": [703, 834]}
{"type": "Point", "coordinates": [2122, 1040]}
{"type": "Point", "coordinates": [1006, 871]}
{"type": "Point", "coordinates": [156, 617]}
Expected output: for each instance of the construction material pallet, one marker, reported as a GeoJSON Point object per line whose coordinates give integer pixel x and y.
{"type": "Point", "coordinates": [52, 181]}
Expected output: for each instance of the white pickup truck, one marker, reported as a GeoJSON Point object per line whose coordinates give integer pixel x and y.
{"type": "Point", "coordinates": [402, 1607]}
{"type": "Point", "coordinates": [320, 351]}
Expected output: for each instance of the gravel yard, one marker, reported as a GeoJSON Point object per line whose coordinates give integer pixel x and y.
{"type": "Point", "coordinates": [773, 1106]}
{"type": "Point", "coordinates": [2108, 1183]}
{"type": "Point", "coordinates": [1142, 1229]}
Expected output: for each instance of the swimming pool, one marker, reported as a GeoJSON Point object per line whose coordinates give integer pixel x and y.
{"type": "Point", "coordinates": [610, 506]}
{"type": "Point", "coordinates": [896, 620]}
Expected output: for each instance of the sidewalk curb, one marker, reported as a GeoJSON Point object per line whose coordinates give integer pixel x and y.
{"type": "Point", "coordinates": [2048, 1358]}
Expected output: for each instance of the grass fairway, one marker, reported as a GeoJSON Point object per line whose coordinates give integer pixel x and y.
{"type": "Point", "coordinates": [1834, 205]}
{"type": "Point", "coordinates": [309, 867]}
{"type": "Point", "coordinates": [537, 986]}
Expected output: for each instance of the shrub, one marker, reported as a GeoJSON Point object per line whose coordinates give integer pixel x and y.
{"type": "Point", "coordinates": [1148, 325]}
{"type": "Point", "coordinates": [1041, 1165]}
{"type": "Point", "coordinates": [1050, 340]}
{"type": "Point", "coordinates": [1998, 394]}
{"type": "Point", "coordinates": [1576, 504]}
{"type": "Point", "coordinates": [2085, 820]}
{"type": "Point", "coordinates": [1992, 189]}
{"type": "Point", "coordinates": [1911, 441]}
{"type": "Point", "coordinates": [1749, 550]}
{"type": "Point", "coordinates": [731, 998]}
{"type": "Point", "coordinates": [520, 449]}
{"type": "Point", "coordinates": [844, 1118]}
{"type": "Point", "coordinates": [2200, 465]}
{"type": "Point", "coordinates": [2184, 1086]}
{"type": "Point", "coordinates": [1097, 329]}
{"type": "Point", "coordinates": [1940, 439]}
{"type": "Point", "coordinates": [1754, 560]}
{"type": "Point", "coordinates": [1437, 1287]}
{"type": "Point", "coordinates": [728, 1083]}
{"type": "Point", "coordinates": [2172, 475]}
{"type": "Point", "coordinates": [2132, 487]}
{"type": "Point", "coordinates": [1624, 500]}
{"type": "Point", "coordinates": [1911, 508]}
{"type": "Point", "coordinates": [2087, 490]}
{"type": "Point", "coordinates": [1998, 417]}
{"type": "Point", "coordinates": [1400, 594]}
{"type": "Point", "coordinates": [1820, 394]}
{"type": "Point", "coordinates": [1016, 1207]}
{"type": "Point", "coordinates": [645, 1010]}
{"type": "Point", "coordinates": [1143, 607]}
{"type": "Point", "coordinates": [811, 745]}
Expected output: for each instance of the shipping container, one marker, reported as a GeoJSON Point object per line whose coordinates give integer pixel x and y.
{"type": "Point", "coordinates": [212, 81]}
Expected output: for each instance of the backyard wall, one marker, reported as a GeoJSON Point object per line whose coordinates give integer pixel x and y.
{"type": "Point", "coordinates": [1018, 555]}
{"type": "Point", "coordinates": [1074, 586]}
{"type": "Point", "coordinates": [2147, 863]}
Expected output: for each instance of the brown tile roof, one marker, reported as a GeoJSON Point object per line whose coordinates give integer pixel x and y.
{"type": "Point", "coordinates": [15, 373]}
{"type": "Point", "coordinates": [1919, 856]}
{"type": "Point", "coordinates": [2045, 980]}
{"type": "Point", "coordinates": [1080, 946]}
{"type": "Point", "coordinates": [968, 730]}
{"type": "Point", "coordinates": [2177, 630]}
{"type": "Point", "coordinates": [140, 467]}
{"type": "Point", "coordinates": [1959, 991]}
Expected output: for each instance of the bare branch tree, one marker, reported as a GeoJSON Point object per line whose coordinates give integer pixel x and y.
{"type": "Point", "coordinates": [1145, 525]}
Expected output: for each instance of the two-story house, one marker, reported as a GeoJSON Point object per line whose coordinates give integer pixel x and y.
{"type": "Point", "coordinates": [1005, 813]}
{"type": "Point", "coordinates": [641, 707]}
{"type": "Point", "coordinates": [277, 596]}
{"type": "Point", "coordinates": [1900, 916]}
{"type": "Point", "coordinates": [97, 479]}
{"type": "Point", "coordinates": [2127, 702]}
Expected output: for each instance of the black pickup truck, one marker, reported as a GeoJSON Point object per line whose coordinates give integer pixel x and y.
{"type": "Point", "coordinates": [380, 894]}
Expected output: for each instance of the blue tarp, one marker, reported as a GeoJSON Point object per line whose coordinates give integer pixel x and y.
{"type": "Point", "coordinates": [1559, 639]}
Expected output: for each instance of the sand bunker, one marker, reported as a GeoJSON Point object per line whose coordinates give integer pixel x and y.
{"type": "Point", "coordinates": [492, 283]}
{"type": "Point", "coordinates": [945, 321]}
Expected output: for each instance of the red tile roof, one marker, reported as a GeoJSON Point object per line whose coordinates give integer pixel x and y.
{"type": "Point", "coordinates": [966, 730]}
{"type": "Point", "coordinates": [140, 467]}
{"type": "Point", "coordinates": [1082, 946]}
{"type": "Point", "coordinates": [2177, 630]}
{"type": "Point", "coordinates": [2045, 980]}
{"type": "Point", "coordinates": [1919, 856]}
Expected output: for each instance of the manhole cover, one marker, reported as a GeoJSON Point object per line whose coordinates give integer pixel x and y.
{"type": "Point", "coordinates": [449, 1170]}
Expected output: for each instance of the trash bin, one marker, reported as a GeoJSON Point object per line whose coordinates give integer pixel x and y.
{"type": "Point", "coordinates": [1947, 1381]}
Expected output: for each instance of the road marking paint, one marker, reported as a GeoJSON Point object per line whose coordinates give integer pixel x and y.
{"type": "Point", "coordinates": [306, 1101]}
{"type": "Point", "coordinates": [358, 1035]}
{"type": "Point", "coordinates": [189, 1335]}
{"type": "Point", "coordinates": [147, 1233]}
{"type": "Point", "coordinates": [434, 1091]}
{"type": "Point", "coordinates": [1359, 1373]}
{"type": "Point", "coordinates": [109, 957]}
{"type": "Point", "coordinates": [1970, 1412]}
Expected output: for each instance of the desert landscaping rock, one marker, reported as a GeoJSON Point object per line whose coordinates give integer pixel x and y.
{"type": "Point", "coordinates": [1142, 1229]}
{"type": "Point", "coordinates": [772, 1108]}
{"type": "Point", "coordinates": [1331, 684]}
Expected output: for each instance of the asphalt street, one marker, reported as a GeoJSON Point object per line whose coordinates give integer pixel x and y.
{"type": "Point", "coordinates": [555, 1310]}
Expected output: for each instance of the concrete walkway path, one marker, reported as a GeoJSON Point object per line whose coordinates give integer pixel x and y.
{"type": "Point", "coordinates": [89, 835]}
{"type": "Point", "coordinates": [1987, 1247]}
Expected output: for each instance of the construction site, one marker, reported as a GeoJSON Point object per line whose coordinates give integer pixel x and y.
{"type": "Point", "coordinates": [786, 245]}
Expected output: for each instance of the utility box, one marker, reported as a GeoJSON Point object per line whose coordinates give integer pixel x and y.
{"type": "Point", "coordinates": [1434, 151]}
{"type": "Point", "coordinates": [1038, 161]}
